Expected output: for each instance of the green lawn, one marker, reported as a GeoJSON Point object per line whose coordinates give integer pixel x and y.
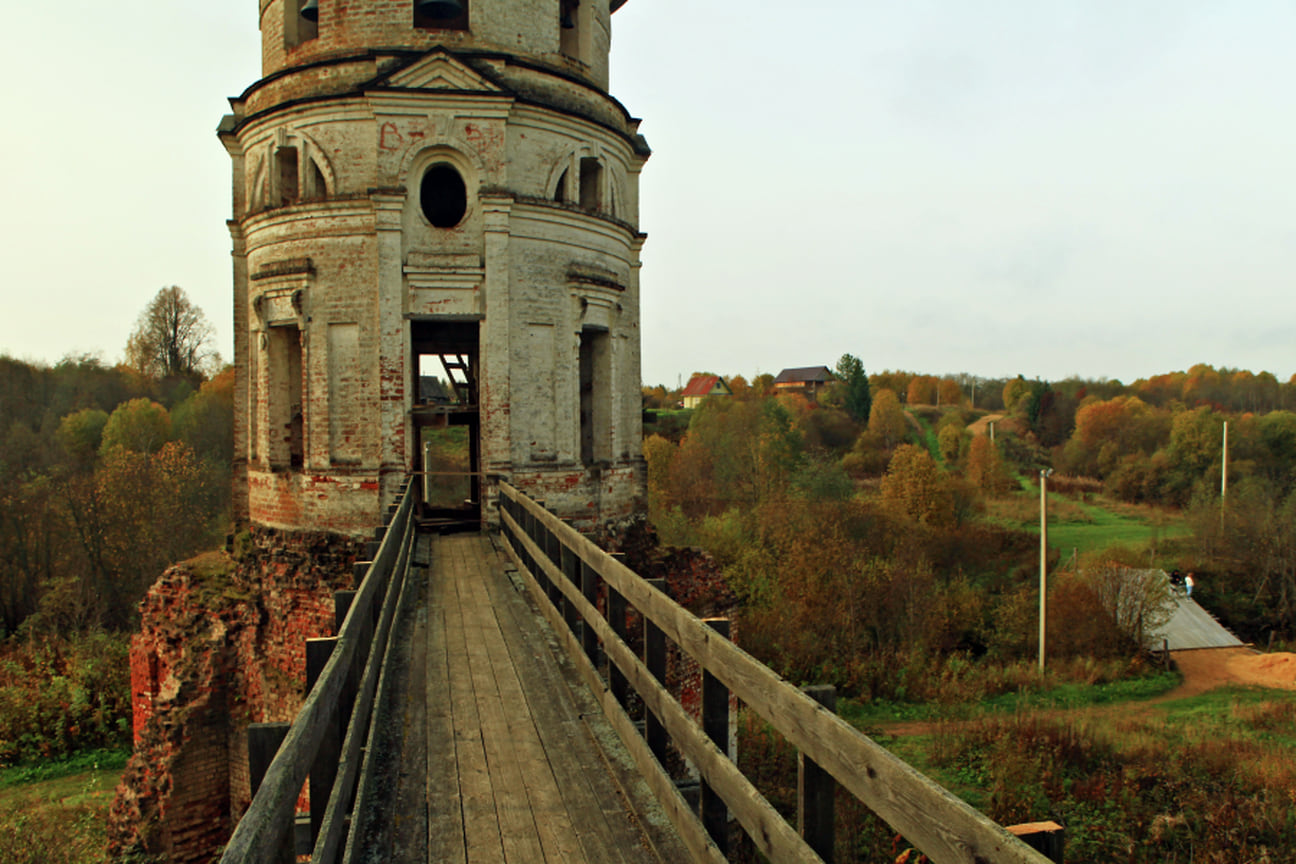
{"type": "Point", "coordinates": [865, 715]}
{"type": "Point", "coordinates": [1087, 527]}
{"type": "Point", "coordinates": [57, 821]}
{"type": "Point", "coordinates": [1102, 529]}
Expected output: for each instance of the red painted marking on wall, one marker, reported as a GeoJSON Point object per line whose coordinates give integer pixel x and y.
{"type": "Point", "coordinates": [390, 138]}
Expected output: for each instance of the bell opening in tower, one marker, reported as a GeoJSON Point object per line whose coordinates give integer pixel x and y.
{"type": "Point", "coordinates": [446, 423]}
{"type": "Point", "coordinates": [441, 14]}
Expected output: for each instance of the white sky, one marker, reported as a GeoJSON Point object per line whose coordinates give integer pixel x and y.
{"type": "Point", "coordinates": [1091, 187]}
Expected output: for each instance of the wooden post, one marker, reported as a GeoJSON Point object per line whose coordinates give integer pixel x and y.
{"type": "Point", "coordinates": [1046, 837]}
{"type": "Point", "coordinates": [655, 660]}
{"type": "Point", "coordinates": [553, 547]}
{"type": "Point", "coordinates": [816, 788]}
{"type": "Point", "coordinates": [263, 742]}
{"type": "Point", "coordinates": [715, 723]}
{"type": "Point", "coordinates": [342, 601]}
{"type": "Point", "coordinates": [589, 588]}
{"type": "Point", "coordinates": [324, 769]}
{"type": "Point", "coordinates": [571, 570]}
{"type": "Point", "coordinates": [358, 571]}
{"type": "Point", "coordinates": [526, 528]}
{"type": "Point", "coordinates": [616, 612]}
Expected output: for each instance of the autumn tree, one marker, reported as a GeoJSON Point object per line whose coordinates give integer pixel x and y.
{"type": "Point", "coordinates": [171, 338]}
{"type": "Point", "coordinates": [922, 390]}
{"type": "Point", "coordinates": [950, 436]}
{"type": "Point", "coordinates": [1194, 450]}
{"type": "Point", "coordinates": [948, 392]}
{"type": "Point", "coordinates": [896, 381]}
{"type": "Point", "coordinates": [80, 434]}
{"type": "Point", "coordinates": [914, 488]}
{"type": "Point", "coordinates": [857, 400]}
{"type": "Point", "coordinates": [1277, 431]}
{"type": "Point", "coordinates": [205, 420]}
{"type": "Point", "coordinates": [140, 425]}
{"type": "Point", "coordinates": [1014, 391]}
{"type": "Point", "coordinates": [1107, 431]}
{"type": "Point", "coordinates": [985, 468]}
{"type": "Point", "coordinates": [887, 419]}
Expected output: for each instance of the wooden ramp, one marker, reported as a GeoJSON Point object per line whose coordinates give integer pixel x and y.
{"type": "Point", "coordinates": [490, 749]}
{"type": "Point", "coordinates": [1190, 626]}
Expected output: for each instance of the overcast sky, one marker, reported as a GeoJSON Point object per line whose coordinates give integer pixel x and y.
{"type": "Point", "coordinates": [1099, 188]}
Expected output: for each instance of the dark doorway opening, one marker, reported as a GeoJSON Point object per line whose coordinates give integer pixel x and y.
{"type": "Point", "coordinates": [447, 428]}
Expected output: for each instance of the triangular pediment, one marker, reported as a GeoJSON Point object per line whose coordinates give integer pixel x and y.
{"type": "Point", "coordinates": [438, 71]}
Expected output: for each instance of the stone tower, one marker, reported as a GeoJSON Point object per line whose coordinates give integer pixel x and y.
{"type": "Point", "coordinates": [434, 189]}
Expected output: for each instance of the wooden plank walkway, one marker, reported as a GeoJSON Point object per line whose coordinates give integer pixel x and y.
{"type": "Point", "coordinates": [493, 750]}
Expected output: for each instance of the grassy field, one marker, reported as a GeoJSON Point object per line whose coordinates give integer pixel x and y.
{"type": "Point", "coordinates": [1088, 526]}
{"type": "Point", "coordinates": [1065, 695]}
{"type": "Point", "coordinates": [57, 821]}
{"type": "Point", "coordinates": [1205, 778]}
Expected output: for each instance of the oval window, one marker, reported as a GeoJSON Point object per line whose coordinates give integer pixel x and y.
{"type": "Point", "coordinates": [443, 196]}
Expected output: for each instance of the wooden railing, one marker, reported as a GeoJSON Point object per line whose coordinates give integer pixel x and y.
{"type": "Point", "coordinates": [342, 698]}
{"type": "Point", "coordinates": [565, 570]}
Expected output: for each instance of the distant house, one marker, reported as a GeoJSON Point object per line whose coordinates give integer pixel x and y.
{"type": "Point", "coordinates": [808, 380]}
{"type": "Point", "coordinates": [701, 386]}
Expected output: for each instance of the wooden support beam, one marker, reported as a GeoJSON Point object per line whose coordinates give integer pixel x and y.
{"type": "Point", "coordinates": [655, 660]}
{"type": "Point", "coordinates": [570, 565]}
{"type": "Point", "coordinates": [324, 768]}
{"type": "Point", "coordinates": [616, 612]}
{"type": "Point", "coordinates": [816, 788]}
{"type": "Point", "coordinates": [1047, 837]}
{"type": "Point", "coordinates": [263, 742]}
{"type": "Point", "coordinates": [589, 588]}
{"type": "Point", "coordinates": [715, 723]}
{"type": "Point", "coordinates": [342, 601]}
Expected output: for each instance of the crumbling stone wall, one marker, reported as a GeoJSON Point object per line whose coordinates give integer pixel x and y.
{"type": "Point", "coordinates": [221, 645]}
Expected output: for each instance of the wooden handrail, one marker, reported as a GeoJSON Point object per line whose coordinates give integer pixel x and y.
{"type": "Point", "coordinates": [943, 826]}
{"type": "Point", "coordinates": [270, 816]}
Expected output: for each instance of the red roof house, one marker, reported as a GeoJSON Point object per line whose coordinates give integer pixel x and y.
{"type": "Point", "coordinates": [701, 386]}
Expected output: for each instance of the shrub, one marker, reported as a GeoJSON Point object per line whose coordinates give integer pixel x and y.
{"type": "Point", "coordinates": [59, 696]}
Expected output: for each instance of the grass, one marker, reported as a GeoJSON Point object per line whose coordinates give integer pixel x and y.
{"type": "Point", "coordinates": [57, 814]}
{"type": "Point", "coordinates": [1067, 695]}
{"type": "Point", "coordinates": [1088, 527]}
{"type": "Point", "coordinates": [928, 437]}
{"type": "Point", "coordinates": [55, 769]}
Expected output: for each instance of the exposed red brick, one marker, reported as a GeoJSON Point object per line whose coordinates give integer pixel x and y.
{"type": "Point", "coordinates": [215, 653]}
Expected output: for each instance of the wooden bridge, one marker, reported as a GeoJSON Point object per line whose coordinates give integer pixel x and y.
{"type": "Point", "coordinates": [477, 706]}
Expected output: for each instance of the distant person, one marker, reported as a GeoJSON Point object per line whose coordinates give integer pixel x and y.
{"type": "Point", "coordinates": [1176, 579]}
{"type": "Point", "coordinates": [1188, 585]}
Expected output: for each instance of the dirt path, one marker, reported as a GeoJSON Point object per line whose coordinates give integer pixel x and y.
{"type": "Point", "coordinates": [978, 426]}
{"type": "Point", "coordinates": [1203, 669]}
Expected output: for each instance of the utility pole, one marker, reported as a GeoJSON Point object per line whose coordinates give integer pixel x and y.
{"type": "Point", "coordinates": [1224, 476]}
{"type": "Point", "coordinates": [1043, 609]}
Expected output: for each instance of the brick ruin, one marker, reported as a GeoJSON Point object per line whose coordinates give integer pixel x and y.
{"type": "Point", "coordinates": [222, 645]}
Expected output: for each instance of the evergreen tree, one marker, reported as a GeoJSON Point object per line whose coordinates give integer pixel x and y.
{"type": "Point", "coordinates": [858, 401]}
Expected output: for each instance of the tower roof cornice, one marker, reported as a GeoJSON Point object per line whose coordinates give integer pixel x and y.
{"type": "Point", "coordinates": [475, 73]}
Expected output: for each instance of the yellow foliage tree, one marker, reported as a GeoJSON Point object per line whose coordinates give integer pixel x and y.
{"type": "Point", "coordinates": [914, 488]}
{"type": "Point", "coordinates": [887, 418]}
